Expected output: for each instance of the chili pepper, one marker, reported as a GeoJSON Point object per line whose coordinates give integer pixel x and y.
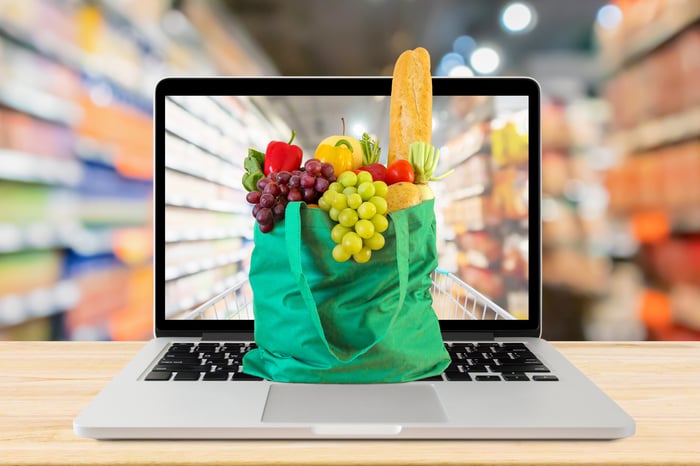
{"type": "Point", "coordinates": [340, 155]}
{"type": "Point", "coordinates": [282, 156]}
{"type": "Point", "coordinates": [253, 169]}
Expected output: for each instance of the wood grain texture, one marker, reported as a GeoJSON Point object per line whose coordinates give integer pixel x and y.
{"type": "Point", "coordinates": [45, 384]}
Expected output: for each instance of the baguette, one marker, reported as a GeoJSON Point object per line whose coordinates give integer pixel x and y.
{"type": "Point", "coordinates": [411, 109]}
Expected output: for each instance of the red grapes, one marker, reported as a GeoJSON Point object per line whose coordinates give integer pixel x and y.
{"type": "Point", "coordinates": [278, 189]}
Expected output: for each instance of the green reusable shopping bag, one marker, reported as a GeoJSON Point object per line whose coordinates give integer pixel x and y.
{"type": "Point", "coordinates": [320, 321]}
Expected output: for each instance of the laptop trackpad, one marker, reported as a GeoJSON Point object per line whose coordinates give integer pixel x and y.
{"type": "Point", "coordinates": [353, 403]}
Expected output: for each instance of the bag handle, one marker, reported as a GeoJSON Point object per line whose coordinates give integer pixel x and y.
{"type": "Point", "coordinates": [293, 243]}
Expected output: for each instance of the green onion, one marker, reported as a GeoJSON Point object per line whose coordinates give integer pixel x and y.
{"type": "Point", "coordinates": [424, 159]}
{"type": "Point", "coordinates": [370, 150]}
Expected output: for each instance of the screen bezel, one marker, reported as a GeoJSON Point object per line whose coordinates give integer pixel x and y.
{"type": "Point", "coordinates": [347, 86]}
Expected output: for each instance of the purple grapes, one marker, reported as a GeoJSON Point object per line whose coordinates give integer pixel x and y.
{"type": "Point", "coordinates": [326, 170]}
{"type": "Point", "coordinates": [267, 200]}
{"type": "Point", "coordinates": [321, 185]}
{"type": "Point", "coordinates": [253, 197]}
{"type": "Point", "coordinates": [279, 189]}
{"type": "Point", "coordinates": [307, 181]}
{"type": "Point", "coordinates": [294, 195]}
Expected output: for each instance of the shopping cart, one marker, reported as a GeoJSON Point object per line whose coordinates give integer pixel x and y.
{"type": "Point", "coordinates": [452, 299]}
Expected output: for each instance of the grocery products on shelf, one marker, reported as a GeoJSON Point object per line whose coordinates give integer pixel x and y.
{"type": "Point", "coordinates": [484, 203]}
{"type": "Point", "coordinates": [653, 181]}
{"type": "Point", "coordinates": [208, 226]}
{"type": "Point", "coordinates": [76, 83]}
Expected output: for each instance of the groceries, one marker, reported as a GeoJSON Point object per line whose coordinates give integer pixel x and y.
{"type": "Point", "coordinates": [275, 191]}
{"type": "Point", "coordinates": [282, 156]}
{"type": "Point", "coordinates": [400, 171]}
{"type": "Point", "coordinates": [343, 152]}
{"type": "Point", "coordinates": [345, 177]}
{"type": "Point", "coordinates": [411, 110]}
{"type": "Point", "coordinates": [358, 205]}
{"type": "Point", "coordinates": [402, 195]}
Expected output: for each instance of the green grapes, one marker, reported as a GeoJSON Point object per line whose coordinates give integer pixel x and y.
{"type": "Point", "coordinates": [358, 206]}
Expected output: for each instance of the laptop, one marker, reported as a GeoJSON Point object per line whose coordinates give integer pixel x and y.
{"type": "Point", "coordinates": [504, 381]}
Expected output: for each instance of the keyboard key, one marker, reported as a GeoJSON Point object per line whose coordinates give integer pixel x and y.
{"type": "Point", "coordinates": [216, 376]}
{"type": "Point", "coordinates": [515, 377]}
{"type": "Point", "coordinates": [160, 368]}
{"type": "Point", "coordinates": [476, 368]}
{"type": "Point", "coordinates": [545, 378]}
{"type": "Point", "coordinates": [187, 376]}
{"type": "Point", "coordinates": [180, 362]}
{"type": "Point", "coordinates": [519, 368]}
{"type": "Point", "coordinates": [487, 378]}
{"type": "Point", "coordinates": [233, 347]}
{"type": "Point", "coordinates": [182, 345]}
{"type": "Point", "coordinates": [179, 356]}
{"type": "Point", "coordinates": [513, 345]}
{"type": "Point", "coordinates": [435, 378]}
{"type": "Point", "coordinates": [156, 375]}
{"type": "Point", "coordinates": [244, 376]}
{"type": "Point", "coordinates": [463, 376]}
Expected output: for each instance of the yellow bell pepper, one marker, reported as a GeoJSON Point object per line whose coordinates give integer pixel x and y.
{"type": "Point", "coordinates": [340, 155]}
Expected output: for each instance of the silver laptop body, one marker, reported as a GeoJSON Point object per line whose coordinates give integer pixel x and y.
{"type": "Point", "coordinates": [556, 402]}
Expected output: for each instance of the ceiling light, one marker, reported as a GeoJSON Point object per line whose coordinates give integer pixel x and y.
{"type": "Point", "coordinates": [358, 128]}
{"type": "Point", "coordinates": [609, 17]}
{"type": "Point", "coordinates": [464, 45]}
{"type": "Point", "coordinates": [485, 60]}
{"type": "Point", "coordinates": [517, 17]}
{"type": "Point", "coordinates": [449, 61]}
{"type": "Point", "coordinates": [461, 71]}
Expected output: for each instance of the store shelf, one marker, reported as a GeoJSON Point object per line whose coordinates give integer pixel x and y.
{"type": "Point", "coordinates": [184, 305]}
{"type": "Point", "coordinates": [213, 206]}
{"type": "Point", "coordinates": [208, 235]}
{"type": "Point", "coordinates": [39, 104]}
{"type": "Point", "coordinates": [42, 302]}
{"type": "Point", "coordinates": [660, 132]}
{"type": "Point", "coordinates": [474, 146]}
{"type": "Point", "coordinates": [174, 273]}
{"type": "Point", "coordinates": [30, 168]}
{"type": "Point", "coordinates": [201, 147]}
{"type": "Point", "coordinates": [645, 41]}
{"type": "Point", "coordinates": [93, 151]}
{"type": "Point", "coordinates": [16, 238]}
{"type": "Point", "coordinates": [69, 56]}
{"type": "Point", "coordinates": [114, 211]}
{"type": "Point", "coordinates": [203, 176]}
{"type": "Point", "coordinates": [465, 193]}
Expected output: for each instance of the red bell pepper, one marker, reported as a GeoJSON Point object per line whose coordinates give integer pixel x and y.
{"type": "Point", "coordinates": [377, 170]}
{"type": "Point", "coordinates": [282, 156]}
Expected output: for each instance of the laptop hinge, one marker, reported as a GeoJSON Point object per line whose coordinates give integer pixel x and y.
{"type": "Point", "coordinates": [468, 336]}
{"type": "Point", "coordinates": [227, 336]}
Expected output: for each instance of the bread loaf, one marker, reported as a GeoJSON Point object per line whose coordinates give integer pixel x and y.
{"type": "Point", "coordinates": [411, 110]}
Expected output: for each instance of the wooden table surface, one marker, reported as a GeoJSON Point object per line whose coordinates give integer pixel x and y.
{"type": "Point", "coordinates": [43, 385]}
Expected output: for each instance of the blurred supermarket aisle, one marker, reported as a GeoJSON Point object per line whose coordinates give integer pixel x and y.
{"type": "Point", "coordinates": [621, 156]}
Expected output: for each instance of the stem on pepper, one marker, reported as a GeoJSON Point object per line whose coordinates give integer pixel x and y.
{"type": "Point", "coordinates": [294, 133]}
{"type": "Point", "coordinates": [344, 142]}
{"type": "Point", "coordinates": [342, 120]}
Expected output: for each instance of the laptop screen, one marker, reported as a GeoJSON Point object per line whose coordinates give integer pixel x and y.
{"type": "Point", "coordinates": [481, 208]}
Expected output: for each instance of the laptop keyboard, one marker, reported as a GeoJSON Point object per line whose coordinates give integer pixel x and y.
{"type": "Point", "coordinates": [479, 362]}
{"type": "Point", "coordinates": [494, 361]}
{"type": "Point", "coordinates": [202, 361]}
